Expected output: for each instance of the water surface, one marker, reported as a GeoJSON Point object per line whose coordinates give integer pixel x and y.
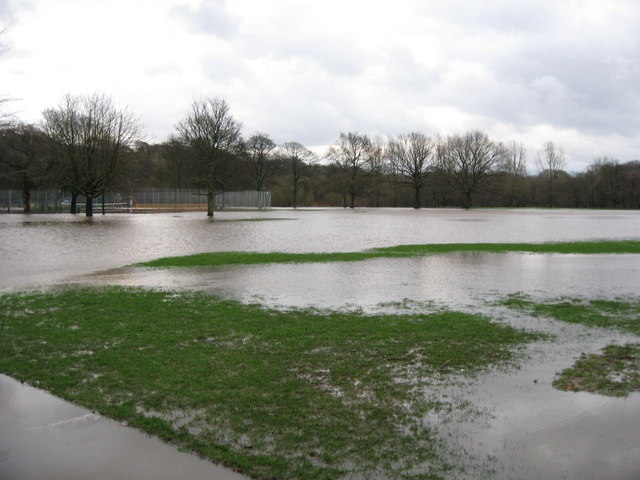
{"type": "Point", "coordinates": [523, 428]}
{"type": "Point", "coordinates": [41, 249]}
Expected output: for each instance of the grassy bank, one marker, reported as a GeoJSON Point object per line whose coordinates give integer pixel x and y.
{"type": "Point", "coordinates": [249, 258]}
{"type": "Point", "coordinates": [295, 394]}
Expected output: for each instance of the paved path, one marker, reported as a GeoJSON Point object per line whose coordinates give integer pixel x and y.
{"type": "Point", "coordinates": [45, 438]}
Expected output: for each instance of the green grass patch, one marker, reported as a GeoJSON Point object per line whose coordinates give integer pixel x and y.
{"type": "Point", "coordinates": [294, 394]}
{"type": "Point", "coordinates": [214, 259]}
{"type": "Point", "coordinates": [250, 258]}
{"type": "Point", "coordinates": [622, 314]}
{"type": "Point", "coordinates": [614, 372]}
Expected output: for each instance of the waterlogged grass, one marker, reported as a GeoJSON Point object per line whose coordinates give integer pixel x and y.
{"type": "Point", "coordinates": [622, 314]}
{"type": "Point", "coordinates": [614, 372]}
{"type": "Point", "coordinates": [250, 258]}
{"type": "Point", "coordinates": [295, 394]}
{"type": "Point", "coordinates": [599, 247]}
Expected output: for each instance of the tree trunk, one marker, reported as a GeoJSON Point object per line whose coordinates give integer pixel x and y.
{"type": "Point", "coordinates": [209, 204]}
{"type": "Point", "coordinates": [295, 195]}
{"type": "Point", "coordinates": [88, 206]}
{"type": "Point", "coordinates": [74, 203]}
{"type": "Point", "coordinates": [26, 200]}
{"type": "Point", "coordinates": [103, 209]}
{"type": "Point", "coordinates": [467, 200]}
{"type": "Point", "coordinates": [395, 190]}
{"type": "Point", "coordinates": [416, 197]}
{"type": "Point", "coordinates": [352, 203]}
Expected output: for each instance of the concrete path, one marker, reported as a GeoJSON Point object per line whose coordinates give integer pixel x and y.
{"type": "Point", "coordinates": [44, 437]}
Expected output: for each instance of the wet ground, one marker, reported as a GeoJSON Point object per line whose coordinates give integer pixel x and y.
{"type": "Point", "coordinates": [518, 426]}
{"type": "Point", "coordinates": [44, 437]}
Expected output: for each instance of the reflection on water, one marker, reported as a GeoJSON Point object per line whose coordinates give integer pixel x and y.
{"type": "Point", "coordinates": [41, 249]}
{"type": "Point", "coordinates": [526, 430]}
{"type": "Point", "coordinates": [457, 279]}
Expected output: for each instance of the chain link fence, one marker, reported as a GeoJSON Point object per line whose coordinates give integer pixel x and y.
{"type": "Point", "coordinates": [136, 200]}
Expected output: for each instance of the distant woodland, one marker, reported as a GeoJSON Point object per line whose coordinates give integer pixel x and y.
{"type": "Point", "coordinates": [87, 146]}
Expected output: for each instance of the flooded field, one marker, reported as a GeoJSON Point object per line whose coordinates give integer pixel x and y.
{"type": "Point", "coordinates": [44, 249]}
{"type": "Point", "coordinates": [517, 425]}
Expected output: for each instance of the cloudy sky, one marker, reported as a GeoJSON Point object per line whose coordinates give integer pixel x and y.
{"type": "Point", "coordinates": [561, 70]}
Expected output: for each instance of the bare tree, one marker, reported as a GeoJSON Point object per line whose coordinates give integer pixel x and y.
{"type": "Point", "coordinates": [515, 158]}
{"type": "Point", "coordinates": [515, 166]}
{"type": "Point", "coordinates": [377, 165]}
{"type": "Point", "coordinates": [260, 149]}
{"type": "Point", "coordinates": [299, 157]}
{"type": "Point", "coordinates": [467, 160]}
{"type": "Point", "coordinates": [551, 162]}
{"type": "Point", "coordinates": [214, 135]}
{"type": "Point", "coordinates": [93, 137]}
{"type": "Point", "coordinates": [351, 155]}
{"type": "Point", "coordinates": [413, 157]}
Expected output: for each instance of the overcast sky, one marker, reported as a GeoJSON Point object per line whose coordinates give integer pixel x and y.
{"type": "Point", "coordinates": [565, 71]}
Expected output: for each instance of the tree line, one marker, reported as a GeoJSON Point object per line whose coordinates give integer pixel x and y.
{"type": "Point", "coordinates": [87, 146]}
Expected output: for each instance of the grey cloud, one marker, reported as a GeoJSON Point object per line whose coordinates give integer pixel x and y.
{"type": "Point", "coordinates": [406, 75]}
{"type": "Point", "coordinates": [8, 11]}
{"type": "Point", "coordinates": [331, 54]}
{"type": "Point", "coordinates": [579, 87]}
{"type": "Point", "coordinates": [334, 55]}
{"type": "Point", "coordinates": [208, 18]}
{"type": "Point", "coordinates": [305, 117]}
{"type": "Point", "coordinates": [500, 15]}
{"type": "Point", "coordinates": [221, 68]}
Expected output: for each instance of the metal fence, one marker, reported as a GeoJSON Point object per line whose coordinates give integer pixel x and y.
{"type": "Point", "coordinates": [141, 200]}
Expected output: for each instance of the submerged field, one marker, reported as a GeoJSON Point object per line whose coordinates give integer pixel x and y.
{"type": "Point", "coordinates": [429, 360]}
{"type": "Point", "coordinates": [276, 394]}
{"type": "Point", "coordinates": [294, 394]}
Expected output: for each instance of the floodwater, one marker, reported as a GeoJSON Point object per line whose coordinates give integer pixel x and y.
{"type": "Point", "coordinates": [44, 249]}
{"type": "Point", "coordinates": [38, 432]}
{"type": "Point", "coordinates": [524, 429]}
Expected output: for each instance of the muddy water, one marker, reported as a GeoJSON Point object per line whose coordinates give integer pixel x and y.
{"type": "Point", "coordinates": [517, 426]}
{"type": "Point", "coordinates": [456, 279]}
{"type": "Point", "coordinates": [522, 427]}
{"type": "Point", "coordinates": [43, 249]}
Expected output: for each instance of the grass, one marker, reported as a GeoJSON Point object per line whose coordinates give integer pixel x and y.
{"type": "Point", "coordinates": [614, 372]}
{"type": "Point", "coordinates": [622, 314]}
{"type": "Point", "coordinates": [250, 258]}
{"type": "Point", "coordinates": [295, 394]}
